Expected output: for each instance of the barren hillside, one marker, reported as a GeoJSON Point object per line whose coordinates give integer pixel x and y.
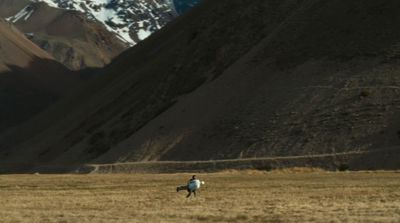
{"type": "Point", "coordinates": [235, 79]}
{"type": "Point", "coordinates": [69, 36]}
{"type": "Point", "coordinates": [30, 79]}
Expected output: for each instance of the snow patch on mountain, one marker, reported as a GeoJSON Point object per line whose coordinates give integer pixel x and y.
{"type": "Point", "coordinates": [132, 21]}
{"type": "Point", "coordinates": [25, 13]}
{"type": "Point", "coordinates": [48, 2]}
{"type": "Point", "coordinates": [143, 34]}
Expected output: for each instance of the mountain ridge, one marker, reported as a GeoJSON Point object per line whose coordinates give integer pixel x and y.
{"type": "Point", "coordinates": [269, 78]}
{"type": "Point", "coordinates": [131, 21]}
{"type": "Point", "coordinates": [121, 24]}
{"type": "Point", "coordinates": [68, 36]}
{"type": "Point", "coordinates": [30, 79]}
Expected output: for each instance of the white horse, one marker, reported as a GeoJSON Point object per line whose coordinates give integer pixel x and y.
{"type": "Point", "coordinates": [191, 187]}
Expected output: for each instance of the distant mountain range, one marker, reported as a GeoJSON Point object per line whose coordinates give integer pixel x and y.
{"type": "Point", "coordinates": [235, 79]}
{"type": "Point", "coordinates": [78, 34]}
{"type": "Point", "coordinates": [131, 21]}
{"type": "Point", "coordinates": [97, 30]}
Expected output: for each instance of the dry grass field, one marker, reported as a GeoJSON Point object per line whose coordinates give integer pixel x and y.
{"type": "Point", "coordinates": [246, 196]}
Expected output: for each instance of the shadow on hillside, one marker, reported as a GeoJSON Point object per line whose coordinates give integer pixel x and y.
{"type": "Point", "coordinates": [25, 91]}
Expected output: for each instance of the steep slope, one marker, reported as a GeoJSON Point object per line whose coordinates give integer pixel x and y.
{"type": "Point", "coordinates": [183, 6]}
{"type": "Point", "coordinates": [235, 79]}
{"type": "Point", "coordinates": [131, 21]}
{"type": "Point", "coordinates": [29, 78]}
{"type": "Point", "coordinates": [11, 7]}
{"type": "Point", "coordinates": [11, 39]}
{"type": "Point", "coordinates": [82, 33]}
{"type": "Point", "coordinates": [69, 36]}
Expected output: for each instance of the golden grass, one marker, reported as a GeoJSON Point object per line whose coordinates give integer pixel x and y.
{"type": "Point", "coordinates": [283, 170]}
{"type": "Point", "coordinates": [279, 196]}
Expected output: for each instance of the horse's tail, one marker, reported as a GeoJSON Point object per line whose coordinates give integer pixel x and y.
{"type": "Point", "coordinates": [183, 187]}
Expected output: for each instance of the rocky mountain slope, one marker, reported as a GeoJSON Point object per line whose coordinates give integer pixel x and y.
{"type": "Point", "coordinates": [131, 21]}
{"type": "Point", "coordinates": [11, 7]}
{"type": "Point", "coordinates": [235, 79]}
{"type": "Point", "coordinates": [69, 36]}
{"type": "Point", "coordinates": [30, 79]}
{"type": "Point", "coordinates": [82, 33]}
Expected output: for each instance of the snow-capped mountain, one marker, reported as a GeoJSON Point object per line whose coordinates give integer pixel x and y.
{"type": "Point", "coordinates": [90, 33]}
{"type": "Point", "coordinates": [69, 36]}
{"type": "Point", "coordinates": [131, 20]}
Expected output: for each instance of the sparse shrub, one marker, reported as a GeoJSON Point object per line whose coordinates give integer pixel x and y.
{"type": "Point", "coordinates": [343, 167]}
{"type": "Point", "coordinates": [242, 217]}
{"type": "Point", "coordinates": [365, 94]}
{"type": "Point", "coordinates": [264, 167]}
{"type": "Point", "coordinates": [99, 144]}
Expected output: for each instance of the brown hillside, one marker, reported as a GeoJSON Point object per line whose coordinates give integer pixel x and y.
{"type": "Point", "coordinates": [11, 7]}
{"type": "Point", "coordinates": [30, 79]}
{"type": "Point", "coordinates": [69, 36]}
{"type": "Point", "coordinates": [235, 79]}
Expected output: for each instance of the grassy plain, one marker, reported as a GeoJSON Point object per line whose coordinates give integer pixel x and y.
{"type": "Point", "coordinates": [246, 196]}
